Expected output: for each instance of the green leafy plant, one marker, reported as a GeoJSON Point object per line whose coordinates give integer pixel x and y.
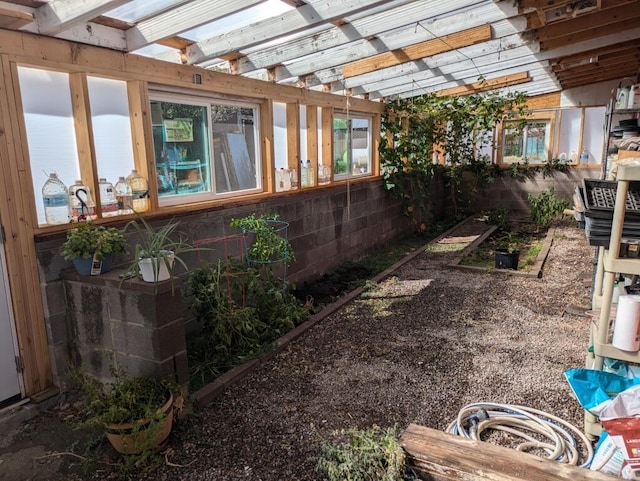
{"type": "Point", "coordinates": [369, 454]}
{"type": "Point", "coordinates": [546, 207]}
{"type": "Point", "coordinates": [456, 129]}
{"type": "Point", "coordinates": [241, 311]}
{"type": "Point", "coordinates": [136, 402]}
{"type": "Point", "coordinates": [165, 244]}
{"type": "Point", "coordinates": [509, 242]}
{"type": "Point", "coordinates": [266, 243]}
{"type": "Point", "coordinates": [87, 240]}
{"type": "Point", "coordinates": [500, 218]}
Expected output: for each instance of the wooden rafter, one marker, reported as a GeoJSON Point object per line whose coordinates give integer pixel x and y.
{"type": "Point", "coordinates": [59, 15]}
{"type": "Point", "coordinates": [183, 18]}
{"type": "Point", "coordinates": [488, 84]}
{"type": "Point", "coordinates": [418, 51]}
{"type": "Point", "coordinates": [585, 23]}
{"type": "Point", "coordinates": [14, 19]}
{"type": "Point", "coordinates": [318, 12]}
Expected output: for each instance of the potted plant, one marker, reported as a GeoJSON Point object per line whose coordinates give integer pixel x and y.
{"type": "Point", "coordinates": [507, 254]}
{"type": "Point", "coordinates": [91, 247]}
{"type": "Point", "coordinates": [156, 250]}
{"type": "Point", "coordinates": [135, 413]}
{"type": "Point", "coordinates": [265, 238]}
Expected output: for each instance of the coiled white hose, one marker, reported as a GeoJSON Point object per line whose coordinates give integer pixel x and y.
{"type": "Point", "coordinates": [559, 437]}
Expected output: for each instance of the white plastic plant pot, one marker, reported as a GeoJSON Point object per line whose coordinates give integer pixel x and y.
{"type": "Point", "coordinates": [154, 269]}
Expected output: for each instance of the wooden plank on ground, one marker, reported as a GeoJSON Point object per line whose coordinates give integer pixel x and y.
{"type": "Point", "coordinates": [439, 456]}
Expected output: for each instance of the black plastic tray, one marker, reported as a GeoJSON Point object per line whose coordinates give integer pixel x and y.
{"type": "Point", "coordinates": [600, 197]}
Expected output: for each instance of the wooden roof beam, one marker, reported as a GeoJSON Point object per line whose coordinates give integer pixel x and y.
{"type": "Point", "coordinates": [602, 77]}
{"type": "Point", "coordinates": [60, 15]}
{"type": "Point", "coordinates": [418, 51]}
{"type": "Point", "coordinates": [13, 19]}
{"type": "Point", "coordinates": [403, 17]}
{"type": "Point", "coordinates": [591, 34]}
{"type": "Point", "coordinates": [621, 63]}
{"type": "Point", "coordinates": [487, 84]}
{"type": "Point", "coordinates": [567, 61]}
{"type": "Point", "coordinates": [486, 66]}
{"type": "Point", "coordinates": [604, 18]}
{"type": "Point", "coordinates": [416, 86]}
{"type": "Point", "coordinates": [182, 18]}
{"type": "Point", "coordinates": [318, 12]}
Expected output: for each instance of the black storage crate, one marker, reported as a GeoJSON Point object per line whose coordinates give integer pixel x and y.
{"type": "Point", "coordinates": [600, 199]}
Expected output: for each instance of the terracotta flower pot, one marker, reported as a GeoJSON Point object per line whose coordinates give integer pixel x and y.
{"type": "Point", "coordinates": [129, 438]}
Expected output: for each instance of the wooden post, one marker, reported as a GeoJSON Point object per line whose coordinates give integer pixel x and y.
{"type": "Point", "coordinates": [18, 214]}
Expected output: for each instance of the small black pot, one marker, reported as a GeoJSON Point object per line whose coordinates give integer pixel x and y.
{"type": "Point", "coordinates": [506, 259]}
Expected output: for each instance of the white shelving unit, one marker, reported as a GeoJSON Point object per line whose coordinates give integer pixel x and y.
{"type": "Point", "coordinates": [610, 265]}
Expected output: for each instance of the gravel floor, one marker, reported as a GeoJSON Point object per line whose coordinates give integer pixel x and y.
{"type": "Point", "coordinates": [428, 341]}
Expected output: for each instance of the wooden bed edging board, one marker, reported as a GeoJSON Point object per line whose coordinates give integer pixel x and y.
{"type": "Point", "coordinates": [439, 456]}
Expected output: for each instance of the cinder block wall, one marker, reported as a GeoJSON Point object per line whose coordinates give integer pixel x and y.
{"type": "Point", "coordinates": [509, 193]}
{"type": "Point", "coordinates": [326, 227]}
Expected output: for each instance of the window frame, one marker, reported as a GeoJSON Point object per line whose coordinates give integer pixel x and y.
{"type": "Point", "coordinates": [349, 118]}
{"type": "Point", "coordinates": [548, 120]}
{"type": "Point", "coordinates": [208, 101]}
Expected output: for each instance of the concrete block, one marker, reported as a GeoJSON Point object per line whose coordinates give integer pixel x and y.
{"type": "Point", "coordinates": [133, 339]}
{"type": "Point", "coordinates": [91, 330]}
{"type": "Point", "coordinates": [170, 339]}
{"type": "Point", "coordinates": [57, 329]}
{"type": "Point", "coordinates": [54, 299]}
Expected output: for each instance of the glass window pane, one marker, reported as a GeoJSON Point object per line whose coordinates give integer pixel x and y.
{"type": "Point", "coordinates": [360, 142]}
{"type": "Point", "coordinates": [593, 134]}
{"type": "Point", "coordinates": [351, 146]}
{"type": "Point", "coordinates": [235, 148]}
{"type": "Point", "coordinates": [111, 127]}
{"type": "Point", "coordinates": [341, 154]}
{"type": "Point", "coordinates": [181, 147]}
{"type": "Point", "coordinates": [530, 142]}
{"type": "Point", "coordinates": [512, 145]}
{"type": "Point", "coordinates": [280, 135]}
{"type": "Point", "coordinates": [569, 135]}
{"type": "Point", "coordinates": [537, 140]}
{"type": "Point", "coordinates": [51, 137]}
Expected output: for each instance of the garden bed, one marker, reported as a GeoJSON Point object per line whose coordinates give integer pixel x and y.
{"type": "Point", "coordinates": [532, 243]}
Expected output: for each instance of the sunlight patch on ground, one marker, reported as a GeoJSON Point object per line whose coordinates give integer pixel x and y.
{"type": "Point", "coordinates": [459, 239]}
{"type": "Point", "coordinates": [446, 247]}
{"type": "Point", "coordinates": [393, 287]}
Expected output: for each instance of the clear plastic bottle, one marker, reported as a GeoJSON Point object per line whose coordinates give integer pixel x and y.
{"type": "Point", "coordinates": [108, 202]}
{"type": "Point", "coordinates": [82, 205]}
{"type": "Point", "coordinates": [584, 156]}
{"type": "Point", "coordinates": [124, 197]}
{"type": "Point", "coordinates": [311, 177]}
{"type": "Point", "coordinates": [139, 191]}
{"type": "Point", "coordinates": [303, 174]}
{"type": "Point", "coordinates": [55, 197]}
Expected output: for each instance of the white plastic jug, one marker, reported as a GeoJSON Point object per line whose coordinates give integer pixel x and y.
{"type": "Point", "coordinates": [634, 97]}
{"type": "Point", "coordinates": [622, 98]}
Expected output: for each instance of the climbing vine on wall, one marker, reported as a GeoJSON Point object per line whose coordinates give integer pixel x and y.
{"type": "Point", "coordinates": [456, 129]}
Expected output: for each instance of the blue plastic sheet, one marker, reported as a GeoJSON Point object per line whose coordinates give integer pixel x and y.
{"type": "Point", "coordinates": [594, 389]}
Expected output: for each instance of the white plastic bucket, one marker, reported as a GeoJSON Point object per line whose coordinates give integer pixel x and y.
{"type": "Point", "coordinates": [155, 269]}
